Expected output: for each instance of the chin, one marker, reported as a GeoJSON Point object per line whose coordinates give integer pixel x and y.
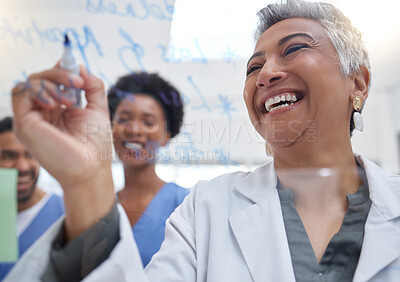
{"type": "Point", "coordinates": [282, 139]}
{"type": "Point", "coordinates": [137, 164]}
{"type": "Point", "coordinates": [24, 196]}
{"type": "Point", "coordinates": [284, 134]}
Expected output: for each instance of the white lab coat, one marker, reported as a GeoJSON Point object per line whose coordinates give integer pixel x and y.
{"type": "Point", "coordinates": [231, 229]}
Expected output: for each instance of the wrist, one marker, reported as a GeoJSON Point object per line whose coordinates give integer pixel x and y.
{"type": "Point", "coordinates": [87, 202]}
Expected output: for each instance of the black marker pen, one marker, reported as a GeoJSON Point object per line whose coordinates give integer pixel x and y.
{"type": "Point", "coordinates": [68, 62]}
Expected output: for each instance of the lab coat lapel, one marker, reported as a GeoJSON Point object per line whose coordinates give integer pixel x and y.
{"type": "Point", "coordinates": [259, 228]}
{"type": "Point", "coordinates": [380, 247]}
{"type": "Point", "coordinates": [381, 243]}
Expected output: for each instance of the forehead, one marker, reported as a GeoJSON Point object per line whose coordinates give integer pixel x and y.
{"type": "Point", "coordinates": [139, 103]}
{"type": "Point", "coordinates": [9, 141]}
{"type": "Point", "coordinates": [290, 26]}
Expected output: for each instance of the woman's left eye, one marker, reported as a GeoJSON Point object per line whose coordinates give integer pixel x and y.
{"type": "Point", "coordinates": [294, 48]}
{"type": "Point", "coordinates": [252, 69]}
{"type": "Point", "coordinates": [149, 123]}
{"type": "Point", "coordinates": [122, 121]}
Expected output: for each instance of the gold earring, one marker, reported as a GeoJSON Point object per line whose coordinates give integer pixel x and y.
{"type": "Point", "coordinates": [357, 117]}
{"type": "Point", "coordinates": [268, 150]}
{"type": "Point", "coordinates": [357, 103]}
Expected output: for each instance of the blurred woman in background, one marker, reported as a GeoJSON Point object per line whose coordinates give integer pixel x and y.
{"type": "Point", "coordinates": [146, 112]}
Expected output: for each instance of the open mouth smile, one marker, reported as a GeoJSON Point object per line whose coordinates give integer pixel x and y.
{"type": "Point", "coordinates": [25, 180]}
{"type": "Point", "coordinates": [281, 100]}
{"type": "Point", "coordinates": [133, 145]}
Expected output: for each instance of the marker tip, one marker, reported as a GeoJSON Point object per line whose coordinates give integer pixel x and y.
{"type": "Point", "coordinates": [66, 39]}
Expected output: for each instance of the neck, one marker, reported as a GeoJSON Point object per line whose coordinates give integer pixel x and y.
{"type": "Point", "coordinates": [141, 181]}
{"type": "Point", "coordinates": [318, 174]}
{"type": "Point", "coordinates": [37, 195]}
{"type": "Point", "coordinates": [321, 150]}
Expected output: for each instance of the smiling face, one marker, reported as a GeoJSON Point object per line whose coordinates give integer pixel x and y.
{"type": "Point", "coordinates": [139, 129]}
{"type": "Point", "coordinates": [13, 154]}
{"type": "Point", "coordinates": [294, 88]}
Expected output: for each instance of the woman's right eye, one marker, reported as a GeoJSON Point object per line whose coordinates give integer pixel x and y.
{"type": "Point", "coordinates": [8, 156]}
{"type": "Point", "coordinates": [252, 68]}
{"type": "Point", "coordinates": [122, 121]}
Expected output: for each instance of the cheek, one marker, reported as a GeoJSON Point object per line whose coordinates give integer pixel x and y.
{"type": "Point", "coordinates": [115, 131]}
{"type": "Point", "coordinates": [36, 167]}
{"type": "Point", "coordinates": [248, 96]}
{"type": "Point", "coordinates": [7, 165]}
{"type": "Point", "coordinates": [158, 131]}
{"type": "Point", "coordinates": [119, 132]}
{"type": "Point", "coordinates": [251, 110]}
{"type": "Point", "coordinates": [156, 138]}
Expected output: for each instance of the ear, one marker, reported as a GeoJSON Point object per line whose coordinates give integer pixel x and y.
{"type": "Point", "coordinates": [361, 83]}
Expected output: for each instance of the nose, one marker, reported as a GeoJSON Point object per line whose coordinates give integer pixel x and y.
{"type": "Point", "coordinates": [270, 74]}
{"type": "Point", "coordinates": [133, 129]}
{"type": "Point", "coordinates": [23, 164]}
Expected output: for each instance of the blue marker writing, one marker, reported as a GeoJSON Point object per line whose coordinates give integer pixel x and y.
{"type": "Point", "coordinates": [68, 62]}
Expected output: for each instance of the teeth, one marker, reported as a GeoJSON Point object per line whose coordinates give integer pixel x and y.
{"type": "Point", "coordinates": [291, 98]}
{"type": "Point", "coordinates": [23, 179]}
{"type": "Point", "coordinates": [266, 105]}
{"type": "Point", "coordinates": [270, 102]}
{"type": "Point", "coordinates": [279, 107]}
{"type": "Point", "coordinates": [133, 146]}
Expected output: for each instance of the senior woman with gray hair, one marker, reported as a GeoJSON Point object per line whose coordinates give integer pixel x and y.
{"type": "Point", "coordinates": [317, 212]}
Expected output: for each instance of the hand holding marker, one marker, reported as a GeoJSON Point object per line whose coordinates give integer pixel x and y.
{"type": "Point", "coordinates": [68, 62]}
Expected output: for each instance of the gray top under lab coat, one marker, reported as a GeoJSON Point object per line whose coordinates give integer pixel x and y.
{"type": "Point", "coordinates": [341, 256]}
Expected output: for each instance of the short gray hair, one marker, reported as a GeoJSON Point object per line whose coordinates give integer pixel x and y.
{"type": "Point", "coordinates": [346, 39]}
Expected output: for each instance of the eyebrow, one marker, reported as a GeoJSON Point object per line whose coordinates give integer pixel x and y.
{"type": "Point", "coordinates": [149, 115]}
{"type": "Point", "coordinates": [125, 112]}
{"type": "Point", "coordinates": [261, 53]}
{"type": "Point", "coordinates": [7, 151]}
{"type": "Point", "coordinates": [10, 152]}
{"type": "Point", "coordinates": [287, 38]}
{"type": "Point", "coordinates": [280, 43]}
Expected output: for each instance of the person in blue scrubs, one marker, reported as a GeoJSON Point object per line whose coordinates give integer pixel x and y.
{"type": "Point", "coordinates": [37, 210]}
{"type": "Point", "coordinates": [146, 112]}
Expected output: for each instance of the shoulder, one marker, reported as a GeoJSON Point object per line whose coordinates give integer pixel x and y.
{"type": "Point", "coordinates": [212, 202]}
{"type": "Point", "coordinates": [55, 198]}
{"type": "Point", "coordinates": [174, 189]}
{"type": "Point", "coordinates": [233, 190]}
{"type": "Point", "coordinates": [221, 184]}
{"type": "Point", "coordinates": [384, 187]}
{"type": "Point", "coordinates": [252, 181]}
{"type": "Point", "coordinates": [56, 201]}
{"type": "Point", "coordinates": [377, 174]}
{"type": "Point", "coordinates": [393, 181]}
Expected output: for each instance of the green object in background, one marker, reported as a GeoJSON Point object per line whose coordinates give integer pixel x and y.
{"type": "Point", "coordinates": [8, 215]}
